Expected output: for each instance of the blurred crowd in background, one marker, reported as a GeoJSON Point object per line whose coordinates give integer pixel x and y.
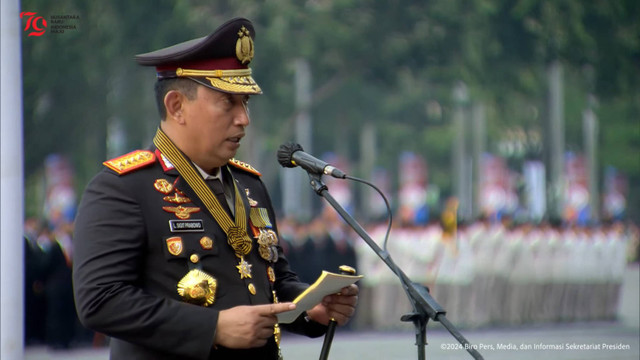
{"type": "Point", "coordinates": [489, 273]}
{"type": "Point", "coordinates": [484, 273]}
{"type": "Point", "coordinates": [498, 270]}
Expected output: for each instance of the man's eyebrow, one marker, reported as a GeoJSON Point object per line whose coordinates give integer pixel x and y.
{"type": "Point", "coordinates": [226, 96]}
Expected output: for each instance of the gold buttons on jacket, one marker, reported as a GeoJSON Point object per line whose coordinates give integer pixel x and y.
{"type": "Point", "coordinates": [252, 289]}
{"type": "Point", "coordinates": [194, 258]}
{"type": "Point", "coordinates": [206, 243]}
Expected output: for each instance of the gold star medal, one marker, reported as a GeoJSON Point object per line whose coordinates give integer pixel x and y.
{"type": "Point", "coordinates": [244, 268]}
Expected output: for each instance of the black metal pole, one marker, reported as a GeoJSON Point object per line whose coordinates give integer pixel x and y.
{"type": "Point", "coordinates": [331, 330]}
{"type": "Point", "coordinates": [423, 303]}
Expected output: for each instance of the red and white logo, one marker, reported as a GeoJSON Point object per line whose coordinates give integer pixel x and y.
{"type": "Point", "coordinates": [37, 24]}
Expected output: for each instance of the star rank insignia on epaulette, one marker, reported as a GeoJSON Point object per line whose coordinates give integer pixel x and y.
{"type": "Point", "coordinates": [131, 161]}
{"type": "Point", "coordinates": [244, 166]}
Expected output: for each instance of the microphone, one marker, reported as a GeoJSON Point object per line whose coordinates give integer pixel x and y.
{"type": "Point", "coordinates": [292, 155]}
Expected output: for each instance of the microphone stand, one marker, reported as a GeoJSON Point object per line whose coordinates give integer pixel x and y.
{"type": "Point", "coordinates": [425, 307]}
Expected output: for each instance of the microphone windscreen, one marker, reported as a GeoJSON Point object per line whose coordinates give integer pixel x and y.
{"type": "Point", "coordinates": [286, 151]}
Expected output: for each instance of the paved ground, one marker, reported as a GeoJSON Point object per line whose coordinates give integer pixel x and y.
{"type": "Point", "coordinates": [605, 341]}
{"type": "Point", "coordinates": [578, 341]}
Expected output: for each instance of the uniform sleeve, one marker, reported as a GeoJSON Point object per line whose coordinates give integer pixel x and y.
{"type": "Point", "coordinates": [109, 253]}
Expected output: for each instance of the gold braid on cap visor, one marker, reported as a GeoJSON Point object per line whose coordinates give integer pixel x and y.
{"type": "Point", "coordinates": [234, 80]}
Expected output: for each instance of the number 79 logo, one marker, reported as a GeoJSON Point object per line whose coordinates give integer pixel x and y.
{"type": "Point", "coordinates": [38, 23]}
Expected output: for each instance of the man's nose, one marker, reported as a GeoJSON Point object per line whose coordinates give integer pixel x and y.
{"type": "Point", "coordinates": [242, 115]}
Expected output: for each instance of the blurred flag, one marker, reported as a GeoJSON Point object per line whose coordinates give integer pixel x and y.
{"type": "Point", "coordinates": [576, 208]}
{"type": "Point", "coordinates": [535, 189]}
{"type": "Point", "coordinates": [497, 195]}
{"type": "Point", "coordinates": [413, 207]}
{"type": "Point", "coordinates": [60, 197]}
{"type": "Point", "coordinates": [615, 193]}
{"type": "Point", "coordinates": [376, 209]}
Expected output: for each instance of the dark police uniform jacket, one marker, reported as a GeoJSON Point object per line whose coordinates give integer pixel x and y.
{"type": "Point", "coordinates": [126, 273]}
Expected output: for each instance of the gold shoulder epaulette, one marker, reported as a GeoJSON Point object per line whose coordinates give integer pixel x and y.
{"type": "Point", "coordinates": [244, 166]}
{"type": "Point", "coordinates": [131, 161]}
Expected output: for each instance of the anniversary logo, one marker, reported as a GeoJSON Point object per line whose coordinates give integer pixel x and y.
{"type": "Point", "coordinates": [37, 25]}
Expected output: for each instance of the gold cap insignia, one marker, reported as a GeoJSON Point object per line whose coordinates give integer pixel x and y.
{"type": "Point", "coordinates": [244, 46]}
{"type": "Point", "coordinates": [206, 243]}
{"type": "Point", "coordinates": [181, 212]}
{"type": "Point", "coordinates": [198, 287]}
{"type": "Point", "coordinates": [174, 245]}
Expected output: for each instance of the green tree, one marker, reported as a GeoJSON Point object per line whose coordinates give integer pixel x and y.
{"type": "Point", "coordinates": [392, 63]}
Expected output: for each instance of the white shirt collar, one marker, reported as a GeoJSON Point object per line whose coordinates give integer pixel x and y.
{"type": "Point", "coordinates": [207, 176]}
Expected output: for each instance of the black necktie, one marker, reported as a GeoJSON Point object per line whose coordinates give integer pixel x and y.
{"type": "Point", "coordinates": [218, 190]}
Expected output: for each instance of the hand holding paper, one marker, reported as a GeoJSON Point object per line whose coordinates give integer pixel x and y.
{"type": "Point", "coordinates": [328, 283]}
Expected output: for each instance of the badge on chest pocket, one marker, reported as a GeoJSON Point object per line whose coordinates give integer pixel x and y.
{"type": "Point", "coordinates": [185, 245]}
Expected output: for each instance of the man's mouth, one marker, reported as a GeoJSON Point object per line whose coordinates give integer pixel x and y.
{"type": "Point", "coordinates": [235, 139]}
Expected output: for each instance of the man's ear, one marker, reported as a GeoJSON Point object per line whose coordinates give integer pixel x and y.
{"type": "Point", "coordinates": [173, 103]}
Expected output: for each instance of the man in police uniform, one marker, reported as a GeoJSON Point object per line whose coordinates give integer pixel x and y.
{"type": "Point", "coordinates": [176, 247]}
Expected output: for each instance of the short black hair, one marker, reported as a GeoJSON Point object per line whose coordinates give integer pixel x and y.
{"type": "Point", "coordinates": [187, 87]}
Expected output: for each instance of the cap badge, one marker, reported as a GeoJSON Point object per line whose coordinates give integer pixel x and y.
{"type": "Point", "coordinates": [244, 46]}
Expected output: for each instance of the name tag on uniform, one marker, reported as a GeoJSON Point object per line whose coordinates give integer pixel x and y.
{"type": "Point", "coordinates": [186, 225]}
